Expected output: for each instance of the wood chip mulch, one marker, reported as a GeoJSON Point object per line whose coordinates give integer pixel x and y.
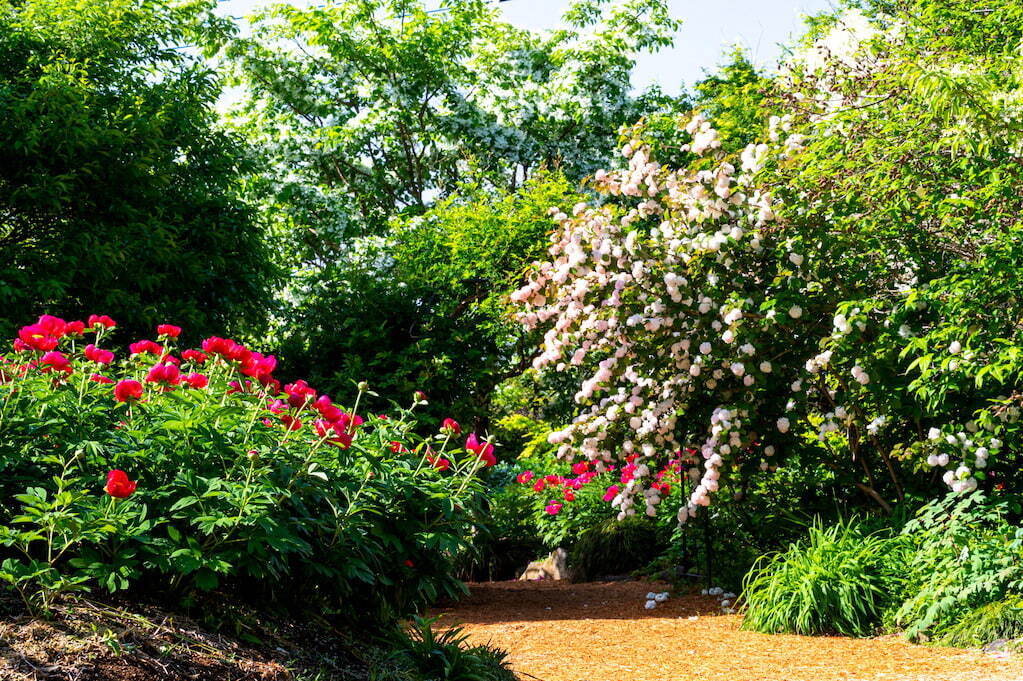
{"type": "Point", "coordinates": [556, 631]}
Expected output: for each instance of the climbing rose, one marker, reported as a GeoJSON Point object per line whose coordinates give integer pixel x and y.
{"type": "Point", "coordinates": [127, 390]}
{"type": "Point", "coordinates": [118, 484]}
{"type": "Point", "coordinates": [168, 330]}
{"type": "Point", "coordinates": [451, 426]}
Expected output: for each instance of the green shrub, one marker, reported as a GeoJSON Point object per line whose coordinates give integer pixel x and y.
{"type": "Point", "coordinates": [506, 539]}
{"type": "Point", "coordinates": [1001, 619]}
{"type": "Point", "coordinates": [966, 555]}
{"type": "Point", "coordinates": [615, 547]}
{"type": "Point", "coordinates": [838, 579]}
{"type": "Point", "coordinates": [282, 493]}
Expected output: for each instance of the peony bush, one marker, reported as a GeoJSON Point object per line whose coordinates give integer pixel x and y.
{"type": "Point", "coordinates": [192, 468]}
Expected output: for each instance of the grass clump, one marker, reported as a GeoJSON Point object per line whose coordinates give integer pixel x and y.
{"type": "Point", "coordinates": [835, 580]}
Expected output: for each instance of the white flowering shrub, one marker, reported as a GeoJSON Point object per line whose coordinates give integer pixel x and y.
{"type": "Point", "coordinates": [677, 297]}
{"type": "Point", "coordinates": [830, 288]}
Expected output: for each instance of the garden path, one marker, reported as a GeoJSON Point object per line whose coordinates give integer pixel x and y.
{"type": "Point", "coordinates": [556, 631]}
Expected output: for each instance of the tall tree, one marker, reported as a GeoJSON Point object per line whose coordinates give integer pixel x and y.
{"type": "Point", "coordinates": [119, 192]}
{"type": "Point", "coordinates": [369, 108]}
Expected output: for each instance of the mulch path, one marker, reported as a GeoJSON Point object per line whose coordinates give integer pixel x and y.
{"type": "Point", "coordinates": [556, 631]}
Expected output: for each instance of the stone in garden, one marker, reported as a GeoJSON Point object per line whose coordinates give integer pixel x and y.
{"type": "Point", "coordinates": [555, 566]}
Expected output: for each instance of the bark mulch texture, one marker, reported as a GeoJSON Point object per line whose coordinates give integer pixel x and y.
{"type": "Point", "coordinates": [556, 631]}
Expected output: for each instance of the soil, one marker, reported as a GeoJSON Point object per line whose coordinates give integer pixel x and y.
{"type": "Point", "coordinates": [85, 640]}
{"type": "Point", "coordinates": [557, 631]}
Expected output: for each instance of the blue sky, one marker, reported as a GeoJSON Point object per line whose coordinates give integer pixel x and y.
{"type": "Point", "coordinates": [709, 27]}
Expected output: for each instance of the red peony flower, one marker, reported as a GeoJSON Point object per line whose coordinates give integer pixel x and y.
{"type": "Point", "coordinates": [194, 356]}
{"type": "Point", "coordinates": [299, 393]}
{"type": "Point", "coordinates": [438, 463]}
{"type": "Point", "coordinates": [524, 477]}
{"type": "Point", "coordinates": [611, 493]}
{"type": "Point", "coordinates": [101, 320]}
{"type": "Point", "coordinates": [397, 447]}
{"type": "Point", "coordinates": [128, 390]}
{"type": "Point", "coordinates": [226, 348]}
{"type": "Point", "coordinates": [348, 423]}
{"type": "Point", "coordinates": [53, 326]}
{"type": "Point", "coordinates": [259, 366]}
{"type": "Point", "coordinates": [569, 495]}
{"type": "Point", "coordinates": [118, 484]}
{"type": "Point", "coordinates": [196, 381]}
{"type": "Point", "coordinates": [100, 378]}
{"type": "Point", "coordinates": [409, 563]}
{"type": "Point", "coordinates": [234, 387]}
{"type": "Point", "coordinates": [35, 337]}
{"type": "Point", "coordinates": [290, 422]}
{"type": "Point", "coordinates": [167, 374]}
{"type": "Point", "coordinates": [333, 433]}
{"type": "Point", "coordinates": [327, 409]}
{"type": "Point", "coordinates": [98, 355]}
{"type": "Point", "coordinates": [553, 507]}
{"type": "Point", "coordinates": [55, 361]}
{"type": "Point", "coordinates": [483, 450]}
{"type": "Point", "coordinates": [75, 328]}
{"type": "Point", "coordinates": [146, 347]}
{"type": "Point", "coordinates": [168, 330]}
{"type": "Point", "coordinates": [451, 426]}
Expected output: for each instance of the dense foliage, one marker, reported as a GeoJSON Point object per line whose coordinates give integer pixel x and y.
{"type": "Point", "coordinates": [425, 306]}
{"type": "Point", "coordinates": [369, 108]}
{"type": "Point", "coordinates": [118, 185]}
{"type": "Point", "coordinates": [953, 574]}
